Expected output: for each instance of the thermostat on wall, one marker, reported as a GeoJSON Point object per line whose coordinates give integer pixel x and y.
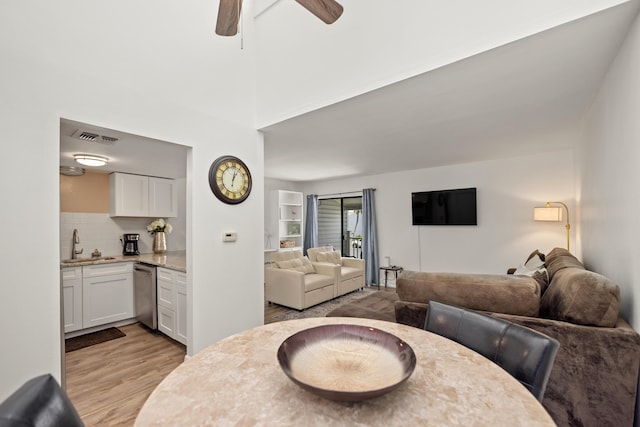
{"type": "Point", "coordinates": [229, 236]}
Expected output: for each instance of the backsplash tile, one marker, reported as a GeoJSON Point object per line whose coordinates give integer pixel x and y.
{"type": "Point", "coordinates": [100, 231]}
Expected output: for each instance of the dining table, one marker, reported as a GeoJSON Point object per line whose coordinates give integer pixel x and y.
{"type": "Point", "coordinates": [238, 381]}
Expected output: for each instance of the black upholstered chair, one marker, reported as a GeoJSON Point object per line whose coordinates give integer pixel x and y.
{"type": "Point", "coordinates": [526, 354]}
{"type": "Point", "coordinates": [40, 402]}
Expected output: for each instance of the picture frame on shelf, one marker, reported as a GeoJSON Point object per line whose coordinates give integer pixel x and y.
{"type": "Point", "coordinates": [293, 229]}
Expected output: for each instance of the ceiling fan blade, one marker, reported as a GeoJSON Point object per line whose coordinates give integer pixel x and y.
{"type": "Point", "coordinates": [327, 10]}
{"type": "Point", "coordinates": [228, 16]}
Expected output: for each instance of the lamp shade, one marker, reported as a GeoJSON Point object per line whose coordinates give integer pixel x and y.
{"type": "Point", "coordinates": [547, 214]}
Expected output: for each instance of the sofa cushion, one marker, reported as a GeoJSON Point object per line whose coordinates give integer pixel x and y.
{"type": "Point", "coordinates": [302, 265]}
{"type": "Point", "coordinates": [560, 258]}
{"type": "Point", "coordinates": [316, 281]}
{"type": "Point", "coordinates": [350, 273]}
{"type": "Point", "coordinates": [486, 292]}
{"type": "Point", "coordinates": [594, 379]}
{"type": "Point", "coordinates": [332, 256]}
{"type": "Point", "coordinates": [583, 297]}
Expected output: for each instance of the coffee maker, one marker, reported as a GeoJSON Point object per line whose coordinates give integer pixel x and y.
{"type": "Point", "coordinates": [130, 244]}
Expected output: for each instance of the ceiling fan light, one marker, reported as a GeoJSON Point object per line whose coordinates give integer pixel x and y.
{"type": "Point", "coordinates": [90, 160]}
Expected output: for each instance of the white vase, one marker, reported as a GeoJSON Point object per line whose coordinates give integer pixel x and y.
{"type": "Point", "coordinates": [159, 242]}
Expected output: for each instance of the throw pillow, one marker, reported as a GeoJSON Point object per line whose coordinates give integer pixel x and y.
{"type": "Point", "coordinates": [302, 265]}
{"type": "Point", "coordinates": [332, 257]}
{"type": "Point", "coordinates": [535, 260]}
{"type": "Point", "coordinates": [540, 275]}
{"type": "Point", "coordinates": [307, 267]}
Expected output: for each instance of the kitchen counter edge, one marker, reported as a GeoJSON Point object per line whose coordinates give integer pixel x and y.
{"type": "Point", "coordinates": [172, 260]}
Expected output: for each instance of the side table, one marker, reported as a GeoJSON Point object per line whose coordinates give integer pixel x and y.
{"type": "Point", "coordinates": [394, 268]}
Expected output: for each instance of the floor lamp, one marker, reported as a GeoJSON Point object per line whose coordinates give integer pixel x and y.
{"type": "Point", "coordinates": [550, 213]}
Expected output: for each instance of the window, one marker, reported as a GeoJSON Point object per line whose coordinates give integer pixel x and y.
{"type": "Point", "coordinates": [340, 225]}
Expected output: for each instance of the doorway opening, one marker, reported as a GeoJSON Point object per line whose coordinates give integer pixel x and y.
{"type": "Point", "coordinates": [87, 228]}
{"type": "Point", "coordinates": [340, 225]}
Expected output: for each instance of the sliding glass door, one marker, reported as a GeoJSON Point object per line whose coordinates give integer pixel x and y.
{"type": "Point", "coordinates": [340, 225]}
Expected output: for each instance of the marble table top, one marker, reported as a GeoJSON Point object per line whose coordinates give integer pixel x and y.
{"type": "Point", "coordinates": [238, 382]}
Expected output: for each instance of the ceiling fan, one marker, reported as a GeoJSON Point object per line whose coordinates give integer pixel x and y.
{"type": "Point", "coordinates": [229, 13]}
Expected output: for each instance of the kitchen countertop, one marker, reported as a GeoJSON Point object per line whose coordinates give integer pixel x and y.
{"type": "Point", "coordinates": [175, 260]}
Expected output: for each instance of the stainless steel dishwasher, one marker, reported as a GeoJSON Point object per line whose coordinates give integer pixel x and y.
{"type": "Point", "coordinates": [144, 291]}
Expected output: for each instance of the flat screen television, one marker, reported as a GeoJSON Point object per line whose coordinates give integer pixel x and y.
{"type": "Point", "coordinates": [444, 207]}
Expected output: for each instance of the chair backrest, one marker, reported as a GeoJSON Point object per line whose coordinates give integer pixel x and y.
{"type": "Point", "coordinates": [286, 255]}
{"type": "Point", "coordinates": [40, 402]}
{"type": "Point", "coordinates": [313, 252]}
{"type": "Point", "coordinates": [524, 353]}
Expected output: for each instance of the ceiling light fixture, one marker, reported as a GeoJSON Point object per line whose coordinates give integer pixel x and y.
{"type": "Point", "coordinates": [90, 159]}
{"type": "Point", "coordinates": [71, 170]}
{"type": "Point", "coordinates": [549, 213]}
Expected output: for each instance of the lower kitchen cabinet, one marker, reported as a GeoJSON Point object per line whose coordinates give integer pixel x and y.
{"type": "Point", "coordinates": [181, 313]}
{"type": "Point", "coordinates": [166, 321]}
{"type": "Point", "coordinates": [107, 293]}
{"type": "Point", "coordinates": [172, 303]}
{"type": "Point", "coordinates": [72, 298]}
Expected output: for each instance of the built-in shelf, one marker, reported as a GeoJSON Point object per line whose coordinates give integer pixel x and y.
{"type": "Point", "coordinates": [290, 216]}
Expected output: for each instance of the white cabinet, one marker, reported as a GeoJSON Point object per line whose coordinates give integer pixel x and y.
{"type": "Point", "coordinates": [172, 303]}
{"type": "Point", "coordinates": [163, 198]}
{"type": "Point", "coordinates": [290, 231]}
{"type": "Point", "coordinates": [72, 298]}
{"type": "Point", "coordinates": [107, 293]}
{"type": "Point", "coordinates": [181, 313]}
{"type": "Point", "coordinates": [142, 196]}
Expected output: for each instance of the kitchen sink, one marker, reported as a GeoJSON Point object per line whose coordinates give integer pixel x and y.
{"type": "Point", "coordinates": [72, 261]}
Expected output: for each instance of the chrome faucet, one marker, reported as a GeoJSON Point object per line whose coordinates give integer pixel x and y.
{"type": "Point", "coordinates": [76, 240]}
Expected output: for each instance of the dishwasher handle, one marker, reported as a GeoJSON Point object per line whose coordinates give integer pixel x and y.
{"type": "Point", "coordinates": [143, 267]}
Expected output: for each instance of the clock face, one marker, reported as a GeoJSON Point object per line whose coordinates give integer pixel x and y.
{"type": "Point", "coordinates": [230, 180]}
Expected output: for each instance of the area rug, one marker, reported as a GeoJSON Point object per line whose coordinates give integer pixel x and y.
{"type": "Point", "coordinates": [76, 343]}
{"type": "Point", "coordinates": [321, 310]}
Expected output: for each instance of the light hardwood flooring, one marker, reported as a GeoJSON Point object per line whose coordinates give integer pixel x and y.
{"type": "Point", "coordinates": [271, 311]}
{"type": "Point", "coordinates": [109, 382]}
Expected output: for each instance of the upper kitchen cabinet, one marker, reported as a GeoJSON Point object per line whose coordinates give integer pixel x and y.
{"type": "Point", "coordinates": [163, 197]}
{"type": "Point", "coordinates": [142, 196]}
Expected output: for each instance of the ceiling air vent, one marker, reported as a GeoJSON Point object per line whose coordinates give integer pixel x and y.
{"type": "Point", "coordinates": [86, 136]}
{"type": "Point", "coordinates": [108, 139]}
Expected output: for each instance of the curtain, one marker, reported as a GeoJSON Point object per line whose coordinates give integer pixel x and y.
{"type": "Point", "coordinates": [311, 223]}
{"type": "Point", "coordinates": [369, 237]}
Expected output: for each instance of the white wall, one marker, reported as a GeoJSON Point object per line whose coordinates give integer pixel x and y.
{"type": "Point", "coordinates": [608, 177]}
{"type": "Point", "coordinates": [305, 64]}
{"type": "Point", "coordinates": [152, 68]}
{"type": "Point", "coordinates": [507, 192]}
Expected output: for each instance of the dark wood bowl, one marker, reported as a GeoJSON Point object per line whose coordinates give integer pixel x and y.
{"type": "Point", "coordinates": [346, 362]}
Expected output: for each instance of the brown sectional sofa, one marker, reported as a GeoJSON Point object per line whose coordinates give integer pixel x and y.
{"type": "Point", "coordinates": [595, 375]}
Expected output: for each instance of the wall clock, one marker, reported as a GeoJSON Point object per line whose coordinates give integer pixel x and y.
{"type": "Point", "coordinates": [230, 179]}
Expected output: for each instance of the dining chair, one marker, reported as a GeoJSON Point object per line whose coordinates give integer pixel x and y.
{"type": "Point", "coordinates": [40, 402]}
{"type": "Point", "coordinates": [524, 353]}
